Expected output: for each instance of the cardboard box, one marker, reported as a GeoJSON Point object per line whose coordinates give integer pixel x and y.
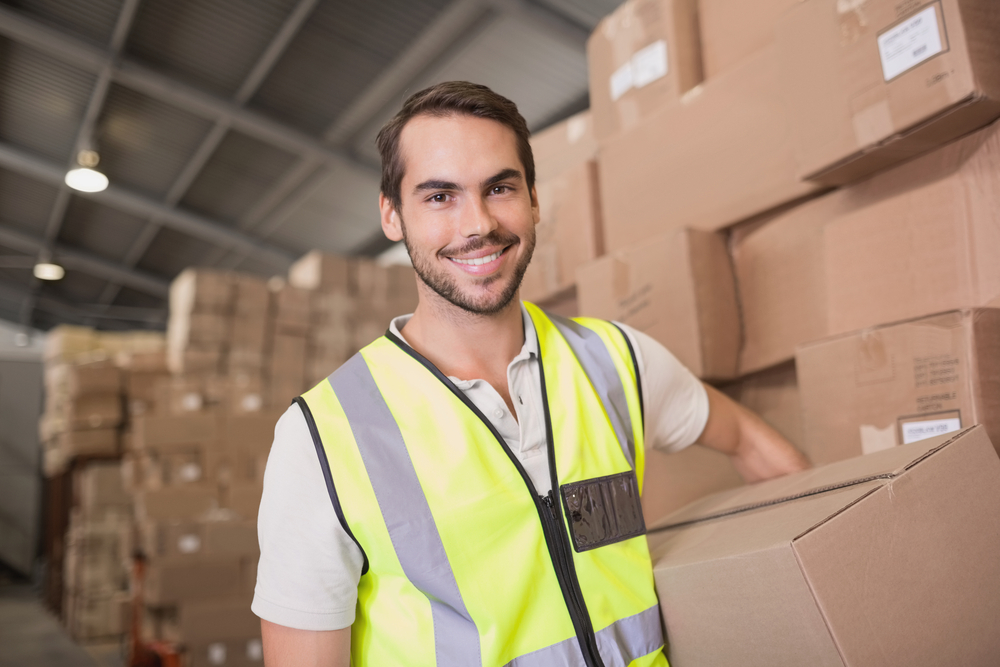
{"type": "Point", "coordinates": [89, 442]}
{"type": "Point", "coordinates": [641, 57]}
{"type": "Point", "coordinates": [100, 489]}
{"type": "Point", "coordinates": [244, 498]}
{"type": "Point", "coordinates": [166, 432]}
{"type": "Point", "coordinates": [288, 359]}
{"type": "Point", "coordinates": [733, 30]}
{"type": "Point", "coordinates": [92, 411]}
{"type": "Point", "coordinates": [918, 239]}
{"type": "Point", "coordinates": [251, 297]}
{"type": "Point", "coordinates": [374, 284]}
{"type": "Point", "coordinates": [320, 271]}
{"type": "Point", "coordinates": [679, 289]}
{"type": "Point", "coordinates": [176, 503]}
{"type": "Point", "coordinates": [564, 145]}
{"type": "Point", "coordinates": [781, 282]}
{"type": "Point", "coordinates": [80, 379]}
{"type": "Point", "coordinates": [773, 394]}
{"type": "Point", "coordinates": [292, 306]}
{"type": "Point", "coordinates": [564, 304]}
{"type": "Point", "coordinates": [194, 538]}
{"type": "Point", "coordinates": [883, 560]}
{"type": "Point", "coordinates": [252, 432]}
{"type": "Point", "coordinates": [185, 579]}
{"type": "Point", "coordinates": [872, 84]}
{"type": "Point", "coordinates": [898, 383]}
{"type": "Point", "coordinates": [66, 342]}
{"type": "Point", "coordinates": [722, 154]}
{"type": "Point", "coordinates": [201, 291]}
{"type": "Point", "coordinates": [671, 481]}
{"type": "Point", "coordinates": [195, 358]}
{"type": "Point", "coordinates": [568, 234]}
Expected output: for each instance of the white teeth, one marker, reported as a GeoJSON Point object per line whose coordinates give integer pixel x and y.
{"type": "Point", "coordinates": [480, 260]}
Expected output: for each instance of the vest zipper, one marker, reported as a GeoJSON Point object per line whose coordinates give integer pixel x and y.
{"type": "Point", "coordinates": [553, 528]}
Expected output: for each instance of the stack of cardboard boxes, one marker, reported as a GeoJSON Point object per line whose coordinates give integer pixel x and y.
{"type": "Point", "coordinates": [753, 177]}
{"type": "Point", "coordinates": [800, 199]}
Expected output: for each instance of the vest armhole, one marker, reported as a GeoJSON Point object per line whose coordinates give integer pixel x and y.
{"type": "Point", "coordinates": [638, 375]}
{"type": "Point", "coordinates": [325, 465]}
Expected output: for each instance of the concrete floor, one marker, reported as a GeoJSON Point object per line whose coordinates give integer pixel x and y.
{"type": "Point", "coordinates": [32, 637]}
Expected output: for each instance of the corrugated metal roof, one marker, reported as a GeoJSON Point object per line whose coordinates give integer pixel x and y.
{"type": "Point", "coordinates": [101, 230]}
{"type": "Point", "coordinates": [24, 202]}
{"type": "Point", "coordinates": [171, 252]}
{"type": "Point", "coordinates": [93, 20]}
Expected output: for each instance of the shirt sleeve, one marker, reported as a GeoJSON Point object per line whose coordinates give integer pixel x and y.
{"type": "Point", "coordinates": [309, 567]}
{"type": "Point", "coordinates": [675, 401]}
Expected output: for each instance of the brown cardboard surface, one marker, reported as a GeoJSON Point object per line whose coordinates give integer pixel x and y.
{"type": "Point", "coordinates": [774, 395]}
{"type": "Point", "coordinates": [182, 579]}
{"type": "Point", "coordinates": [624, 44]}
{"type": "Point", "coordinates": [79, 379]}
{"type": "Point", "coordinates": [99, 488]}
{"type": "Point", "coordinates": [721, 155]}
{"type": "Point", "coordinates": [732, 30]}
{"type": "Point", "coordinates": [201, 290]}
{"type": "Point", "coordinates": [876, 388]}
{"type": "Point", "coordinates": [883, 572]}
{"type": "Point", "coordinates": [564, 145]}
{"type": "Point", "coordinates": [176, 503]}
{"type": "Point", "coordinates": [781, 282]}
{"type": "Point", "coordinates": [848, 119]}
{"type": "Point", "coordinates": [244, 498]}
{"type": "Point", "coordinates": [917, 239]}
{"type": "Point", "coordinates": [679, 289]}
{"type": "Point", "coordinates": [252, 432]}
{"type": "Point", "coordinates": [320, 271]}
{"type": "Point", "coordinates": [163, 432]}
{"type": "Point", "coordinates": [89, 442]}
{"type": "Point", "coordinates": [218, 620]}
{"type": "Point", "coordinates": [247, 652]}
{"type": "Point", "coordinates": [568, 234]}
{"type": "Point", "coordinates": [671, 481]}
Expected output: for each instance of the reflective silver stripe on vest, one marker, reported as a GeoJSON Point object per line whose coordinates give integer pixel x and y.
{"type": "Point", "coordinates": [619, 644]}
{"type": "Point", "coordinates": [407, 515]}
{"type": "Point", "coordinates": [596, 360]}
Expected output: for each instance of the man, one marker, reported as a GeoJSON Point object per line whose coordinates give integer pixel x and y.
{"type": "Point", "coordinates": [465, 490]}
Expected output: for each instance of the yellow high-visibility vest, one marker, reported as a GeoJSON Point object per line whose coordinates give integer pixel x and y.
{"type": "Point", "coordinates": [465, 565]}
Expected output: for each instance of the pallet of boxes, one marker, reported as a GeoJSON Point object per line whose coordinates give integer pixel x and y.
{"type": "Point", "coordinates": [88, 514]}
{"type": "Point", "coordinates": [800, 199]}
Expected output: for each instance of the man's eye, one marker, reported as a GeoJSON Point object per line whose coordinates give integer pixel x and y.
{"type": "Point", "coordinates": [439, 198]}
{"type": "Point", "coordinates": [500, 189]}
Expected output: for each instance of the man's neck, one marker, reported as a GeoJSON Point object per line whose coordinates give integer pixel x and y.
{"type": "Point", "coordinates": [466, 345]}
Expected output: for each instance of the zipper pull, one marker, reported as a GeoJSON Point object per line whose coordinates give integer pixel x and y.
{"type": "Point", "coordinates": [547, 500]}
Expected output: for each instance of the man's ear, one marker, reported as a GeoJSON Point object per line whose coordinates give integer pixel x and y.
{"type": "Point", "coordinates": [391, 224]}
{"type": "Point", "coordinates": [536, 214]}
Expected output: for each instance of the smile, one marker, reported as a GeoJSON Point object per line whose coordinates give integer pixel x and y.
{"type": "Point", "coordinates": [479, 260]}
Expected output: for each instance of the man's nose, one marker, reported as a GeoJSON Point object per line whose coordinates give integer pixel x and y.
{"type": "Point", "coordinates": [477, 219]}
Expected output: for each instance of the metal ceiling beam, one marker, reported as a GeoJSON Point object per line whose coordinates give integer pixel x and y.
{"type": "Point", "coordinates": [260, 70]}
{"type": "Point", "coordinates": [554, 22]}
{"type": "Point", "coordinates": [74, 311]}
{"type": "Point", "coordinates": [132, 202]}
{"type": "Point", "coordinates": [85, 262]}
{"type": "Point", "coordinates": [140, 78]}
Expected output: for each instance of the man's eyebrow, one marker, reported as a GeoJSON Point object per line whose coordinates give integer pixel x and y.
{"type": "Point", "coordinates": [436, 185]}
{"type": "Point", "coordinates": [506, 174]}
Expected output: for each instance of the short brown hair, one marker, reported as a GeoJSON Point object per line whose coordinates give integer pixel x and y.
{"type": "Point", "coordinates": [444, 99]}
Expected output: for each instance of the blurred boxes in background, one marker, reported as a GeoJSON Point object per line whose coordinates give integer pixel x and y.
{"type": "Point", "coordinates": [879, 560]}
{"type": "Point", "coordinates": [898, 383]}
{"type": "Point", "coordinates": [872, 84]}
{"type": "Point", "coordinates": [733, 30]}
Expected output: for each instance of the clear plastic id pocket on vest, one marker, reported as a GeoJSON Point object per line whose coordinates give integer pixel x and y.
{"type": "Point", "coordinates": [603, 511]}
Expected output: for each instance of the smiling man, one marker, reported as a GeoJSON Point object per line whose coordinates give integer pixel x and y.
{"type": "Point", "coordinates": [465, 490]}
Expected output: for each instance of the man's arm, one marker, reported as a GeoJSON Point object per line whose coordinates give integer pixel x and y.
{"type": "Point", "coordinates": [758, 451]}
{"type": "Point", "coordinates": [288, 647]}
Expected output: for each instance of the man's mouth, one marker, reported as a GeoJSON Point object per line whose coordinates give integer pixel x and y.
{"type": "Point", "coordinates": [478, 261]}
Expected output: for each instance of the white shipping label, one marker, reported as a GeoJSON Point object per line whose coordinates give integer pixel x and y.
{"type": "Point", "coordinates": [914, 431]}
{"type": "Point", "coordinates": [910, 43]}
{"type": "Point", "coordinates": [649, 64]}
{"type": "Point", "coordinates": [621, 81]}
{"type": "Point", "coordinates": [217, 654]}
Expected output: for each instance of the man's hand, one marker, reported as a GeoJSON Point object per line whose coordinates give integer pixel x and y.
{"type": "Point", "coordinates": [288, 647]}
{"type": "Point", "coordinates": [758, 451]}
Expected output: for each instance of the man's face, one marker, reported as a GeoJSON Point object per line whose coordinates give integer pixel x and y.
{"type": "Point", "coordinates": [469, 216]}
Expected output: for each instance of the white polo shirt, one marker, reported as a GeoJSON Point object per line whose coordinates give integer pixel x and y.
{"type": "Point", "coordinates": [309, 568]}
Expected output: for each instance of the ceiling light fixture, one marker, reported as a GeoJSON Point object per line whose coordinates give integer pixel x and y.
{"type": "Point", "coordinates": [46, 269]}
{"type": "Point", "coordinates": [85, 178]}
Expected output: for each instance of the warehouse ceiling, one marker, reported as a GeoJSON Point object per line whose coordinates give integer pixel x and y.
{"type": "Point", "coordinates": [235, 133]}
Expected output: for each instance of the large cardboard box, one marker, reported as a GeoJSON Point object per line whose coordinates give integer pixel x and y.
{"type": "Point", "coordinates": [252, 432]}
{"type": "Point", "coordinates": [870, 84]}
{"type": "Point", "coordinates": [887, 560]}
{"type": "Point", "coordinates": [246, 652]}
{"type": "Point", "coordinates": [100, 489]}
{"type": "Point", "coordinates": [918, 239]}
{"type": "Point", "coordinates": [733, 30]}
{"type": "Point", "coordinates": [564, 145]}
{"type": "Point", "coordinates": [218, 620]}
{"type": "Point", "coordinates": [89, 442]}
{"type": "Point", "coordinates": [781, 282]}
{"type": "Point", "coordinates": [166, 432]}
{"type": "Point", "coordinates": [641, 57]}
{"type": "Point", "coordinates": [568, 234]}
{"type": "Point", "coordinates": [898, 383]}
{"type": "Point", "coordinates": [176, 503]}
{"type": "Point", "coordinates": [320, 271]}
{"type": "Point", "coordinates": [83, 379]}
{"type": "Point", "coordinates": [723, 154]}
{"type": "Point", "coordinates": [196, 290]}
{"type": "Point", "coordinates": [773, 394]}
{"type": "Point", "coordinates": [679, 289]}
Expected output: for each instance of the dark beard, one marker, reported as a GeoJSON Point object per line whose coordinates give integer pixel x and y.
{"type": "Point", "coordinates": [448, 290]}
